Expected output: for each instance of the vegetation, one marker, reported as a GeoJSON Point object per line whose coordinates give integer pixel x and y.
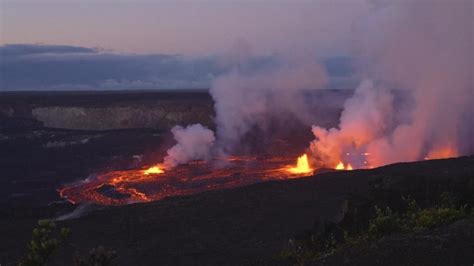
{"type": "Point", "coordinates": [99, 256]}
{"type": "Point", "coordinates": [323, 242]}
{"type": "Point", "coordinates": [45, 240]}
{"type": "Point", "coordinates": [384, 222]}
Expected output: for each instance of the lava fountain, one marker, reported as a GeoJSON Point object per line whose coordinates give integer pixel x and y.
{"type": "Point", "coordinates": [302, 166]}
{"type": "Point", "coordinates": [341, 166]}
{"type": "Point", "coordinates": [154, 170]}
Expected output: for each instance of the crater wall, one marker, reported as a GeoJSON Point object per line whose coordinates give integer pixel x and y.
{"type": "Point", "coordinates": [110, 110]}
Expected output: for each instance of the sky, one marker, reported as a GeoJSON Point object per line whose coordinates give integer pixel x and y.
{"type": "Point", "coordinates": [105, 44]}
{"type": "Point", "coordinates": [182, 27]}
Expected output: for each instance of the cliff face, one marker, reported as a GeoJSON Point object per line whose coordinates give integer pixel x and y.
{"type": "Point", "coordinates": [159, 116]}
{"type": "Point", "coordinates": [126, 110]}
{"type": "Point", "coordinates": [110, 110]}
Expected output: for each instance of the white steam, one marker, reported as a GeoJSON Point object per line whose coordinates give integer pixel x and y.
{"type": "Point", "coordinates": [420, 49]}
{"type": "Point", "coordinates": [365, 117]}
{"type": "Point", "coordinates": [425, 47]}
{"type": "Point", "coordinates": [246, 100]}
{"type": "Point", "coordinates": [194, 143]}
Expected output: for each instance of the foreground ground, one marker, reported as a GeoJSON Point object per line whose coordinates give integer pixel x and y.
{"type": "Point", "coordinates": [253, 224]}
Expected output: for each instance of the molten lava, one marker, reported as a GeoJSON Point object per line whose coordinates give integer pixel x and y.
{"type": "Point", "coordinates": [154, 170]}
{"type": "Point", "coordinates": [302, 166]}
{"type": "Point", "coordinates": [340, 166]}
{"type": "Point", "coordinates": [442, 153]}
{"type": "Point", "coordinates": [154, 183]}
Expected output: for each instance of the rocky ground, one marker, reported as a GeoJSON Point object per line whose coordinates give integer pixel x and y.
{"type": "Point", "coordinates": [439, 231]}
{"type": "Point", "coordinates": [252, 225]}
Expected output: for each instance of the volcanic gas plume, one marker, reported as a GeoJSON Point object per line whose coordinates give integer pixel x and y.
{"type": "Point", "coordinates": [420, 50]}
{"type": "Point", "coordinates": [194, 142]}
{"type": "Point", "coordinates": [426, 50]}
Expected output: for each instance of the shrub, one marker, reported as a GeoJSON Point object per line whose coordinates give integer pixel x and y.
{"type": "Point", "coordinates": [433, 217]}
{"type": "Point", "coordinates": [99, 256]}
{"type": "Point", "coordinates": [448, 200]}
{"type": "Point", "coordinates": [43, 243]}
{"type": "Point", "coordinates": [446, 212]}
{"type": "Point", "coordinates": [384, 222]}
{"type": "Point", "coordinates": [410, 219]}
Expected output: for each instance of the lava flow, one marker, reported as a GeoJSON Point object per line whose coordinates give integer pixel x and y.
{"type": "Point", "coordinates": [156, 182]}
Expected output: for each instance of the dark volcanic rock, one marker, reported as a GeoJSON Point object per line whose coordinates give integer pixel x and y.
{"type": "Point", "coordinates": [110, 192]}
{"type": "Point", "coordinates": [18, 123]}
{"type": "Point", "coordinates": [248, 224]}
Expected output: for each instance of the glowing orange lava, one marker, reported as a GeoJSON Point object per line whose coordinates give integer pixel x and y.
{"type": "Point", "coordinates": [302, 166]}
{"type": "Point", "coordinates": [442, 153]}
{"type": "Point", "coordinates": [154, 170]}
{"type": "Point", "coordinates": [154, 183]}
{"type": "Point", "coordinates": [340, 166]}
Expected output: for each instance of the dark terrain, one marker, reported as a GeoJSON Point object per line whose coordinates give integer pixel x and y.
{"type": "Point", "coordinates": [40, 149]}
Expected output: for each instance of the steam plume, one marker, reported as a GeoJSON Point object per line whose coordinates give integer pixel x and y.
{"type": "Point", "coordinates": [425, 48]}
{"type": "Point", "coordinates": [422, 50]}
{"type": "Point", "coordinates": [245, 100]}
{"type": "Point", "coordinates": [365, 117]}
{"type": "Point", "coordinates": [194, 143]}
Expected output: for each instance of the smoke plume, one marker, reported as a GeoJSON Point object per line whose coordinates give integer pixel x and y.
{"type": "Point", "coordinates": [194, 142]}
{"type": "Point", "coordinates": [425, 48]}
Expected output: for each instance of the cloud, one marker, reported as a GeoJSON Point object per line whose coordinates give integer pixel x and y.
{"type": "Point", "coordinates": [58, 67]}
{"type": "Point", "coordinates": [28, 49]}
{"type": "Point", "coordinates": [62, 67]}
